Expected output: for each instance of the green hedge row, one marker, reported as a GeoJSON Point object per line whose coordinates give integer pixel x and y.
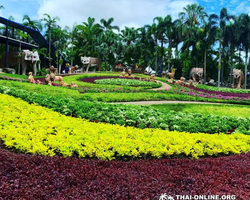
{"type": "Point", "coordinates": [132, 115]}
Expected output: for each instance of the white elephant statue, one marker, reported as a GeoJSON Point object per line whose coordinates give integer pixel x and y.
{"type": "Point", "coordinates": [27, 58]}
{"type": "Point", "coordinates": [89, 62]}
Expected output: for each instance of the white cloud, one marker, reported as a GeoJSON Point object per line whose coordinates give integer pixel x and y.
{"type": "Point", "coordinates": [131, 13]}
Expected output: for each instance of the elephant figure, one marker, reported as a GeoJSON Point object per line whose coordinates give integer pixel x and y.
{"type": "Point", "coordinates": [89, 62]}
{"type": "Point", "coordinates": [196, 74]}
{"type": "Point", "coordinates": [238, 78]}
{"type": "Point", "coordinates": [27, 58]}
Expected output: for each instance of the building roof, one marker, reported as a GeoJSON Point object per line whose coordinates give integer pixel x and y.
{"type": "Point", "coordinates": [35, 34]}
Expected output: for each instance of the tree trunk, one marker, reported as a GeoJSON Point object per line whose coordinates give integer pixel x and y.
{"type": "Point", "coordinates": [205, 66]}
{"type": "Point", "coordinates": [161, 56]}
{"type": "Point", "coordinates": [49, 47]}
{"type": "Point", "coordinates": [169, 55]}
{"type": "Point", "coordinates": [156, 57]}
{"type": "Point", "coordinates": [245, 80]}
{"type": "Point", "coordinates": [220, 66]}
{"type": "Point", "coordinates": [231, 69]}
{"type": "Point", "coordinates": [34, 68]}
{"type": "Point", "coordinates": [59, 69]}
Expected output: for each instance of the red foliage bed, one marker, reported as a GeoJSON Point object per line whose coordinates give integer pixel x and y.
{"type": "Point", "coordinates": [36, 177]}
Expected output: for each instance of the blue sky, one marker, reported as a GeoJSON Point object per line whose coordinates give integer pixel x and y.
{"type": "Point", "coordinates": [131, 13]}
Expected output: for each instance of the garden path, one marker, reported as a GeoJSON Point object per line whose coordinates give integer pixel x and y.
{"type": "Point", "coordinates": [164, 86]}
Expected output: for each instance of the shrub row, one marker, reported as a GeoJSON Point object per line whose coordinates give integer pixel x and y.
{"type": "Point", "coordinates": [134, 115]}
{"type": "Point", "coordinates": [37, 130]}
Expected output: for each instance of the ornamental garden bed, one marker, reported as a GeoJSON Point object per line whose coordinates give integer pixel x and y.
{"type": "Point", "coordinates": [40, 177]}
{"type": "Point", "coordinates": [36, 130]}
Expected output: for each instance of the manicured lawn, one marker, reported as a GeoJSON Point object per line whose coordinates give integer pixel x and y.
{"type": "Point", "coordinates": [220, 110]}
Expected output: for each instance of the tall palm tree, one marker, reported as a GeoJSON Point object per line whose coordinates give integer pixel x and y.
{"type": "Point", "coordinates": [152, 35]}
{"type": "Point", "coordinates": [191, 19]}
{"type": "Point", "coordinates": [231, 40]}
{"type": "Point", "coordinates": [170, 34]}
{"type": "Point", "coordinates": [35, 24]}
{"type": "Point", "coordinates": [106, 24]}
{"type": "Point", "coordinates": [49, 24]}
{"type": "Point", "coordinates": [223, 20]}
{"type": "Point", "coordinates": [129, 38]}
{"type": "Point", "coordinates": [72, 39]}
{"type": "Point", "coordinates": [208, 38]}
{"type": "Point", "coordinates": [164, 26]}
{"type": "Point", "coordinates": [106, 46]}
{"type": "Point", "coordinates": [244, 26]}
{"type": "Point", "coordinates": [87, 36]}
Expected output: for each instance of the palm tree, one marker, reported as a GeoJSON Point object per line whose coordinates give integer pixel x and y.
{"type": "Point", "coordinates": [244, 26]}
{"type": "Point", "coordinates": [170, 34]}
{"type": "Point", "coordinates": [87, 36]}
{"type": "Point", "coordinates": [223, 20]}
{"type": "Point", "coordinates": [191, 19]}
{"type": "Point", "coordinates": [208, 38]}
{"type": "Point", "coordinates": [35, 24]}
{"type": "Point", "coordinates": [50, 23]}
{"type": "Point", "coordinates": [129, 38]}
{"type": "Point", "coordinates": [152, 35]}
{"type": "Point", "coordinates": [106, 46]}
{"type": "Point", "coordinates": [107, 24]}
{"type": "Point", "coordinates": [162, 26]}
{"type": "Point", "coordinates": [72, 36]}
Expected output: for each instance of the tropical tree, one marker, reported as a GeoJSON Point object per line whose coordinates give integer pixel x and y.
{"type": "Point", "coordinates": [192, 18]}
{"type": "Point", "coordinates": [106, 25]}
{"type": "Point", "coordinates": [163, 24]}
{"type": "Point", "coordinates": [35, 24]}
{"type": "Point", "coordinates": [106, 46]}
{"type": "Point", "coordinates": [208, 37]}
{"type": "Point", "coordinates": [244, 38]}
{"type": "Point", "coordinates": [223, 20]}
{"type": "Point", "coordinates": [152, 35]}
{"type": "Point", "coordinates": [129, 37]}
{"type": "Point", "coordinates": [87, 36]}
{"type": "Point", "coordinates": [49, 24]}
{"type": "Point", "coordinates": [72, 40]}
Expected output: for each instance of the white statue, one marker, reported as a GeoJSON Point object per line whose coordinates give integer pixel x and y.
{"type": "Point", "coordinates": [90, 61]}
{"type": "Point", "coordinates": [27, 58]}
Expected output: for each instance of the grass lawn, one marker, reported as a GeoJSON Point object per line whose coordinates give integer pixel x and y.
{"type": "Point", "coordinates": [221, 110]}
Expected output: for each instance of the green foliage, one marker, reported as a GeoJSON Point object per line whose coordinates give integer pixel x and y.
{"type": "Point", "coordinates": [220, 110]}
{"type": "Point", "coordinates": [128, 82]}
{"type": "Point", "coordinates": [132, 115]}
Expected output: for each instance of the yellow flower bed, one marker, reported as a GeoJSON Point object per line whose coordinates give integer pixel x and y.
{"type": "Point", "coordinates": [37, 130]}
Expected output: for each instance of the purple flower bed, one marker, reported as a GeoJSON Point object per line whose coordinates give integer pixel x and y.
{"type": "Point", "coordinates": [37, 177]}
{"type": "Point", "coordinates": [240, 95]}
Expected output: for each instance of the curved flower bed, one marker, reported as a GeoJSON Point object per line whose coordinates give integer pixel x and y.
{"type": "Point", "coordinates": [134, 115]}
{"type": "Point", "coordinates": [93, 78]}
{"type": "Point", "coordinates": [42, 177]}
{"type": "Point", "coordinates": [37, 130]}
{"type": "Point", "coordinates": [221, 89]}
{"type": "Point", "coordinates": [220, 93]}
{"type": "Point", "coordinates": [128, 82]}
